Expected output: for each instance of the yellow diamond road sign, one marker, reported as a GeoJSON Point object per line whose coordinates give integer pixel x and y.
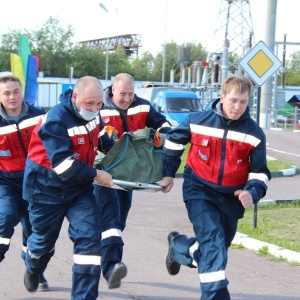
{"type": "Point", "coordinates": [260, 63]}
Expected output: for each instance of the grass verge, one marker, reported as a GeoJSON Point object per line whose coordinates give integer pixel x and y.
{"type": "Point", "coordinates": [277, 224]}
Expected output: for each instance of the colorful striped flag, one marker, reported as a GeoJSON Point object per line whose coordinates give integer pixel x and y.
{"type": "Point", "coordinates": [17, 68]}
{"type": "Point", "coordinates": [26, 67]}
{"type": "Point", "coordinates": [31, 81]}
{"type": "Point", "coordinates": [24, 51]}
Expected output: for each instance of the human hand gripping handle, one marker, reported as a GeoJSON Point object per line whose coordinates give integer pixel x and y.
{"type": "Point", "coordinates": [104, 178]}
{"type": "Point", "coordinates": [244, 197]}
{"type": "Point", "coordinates": [168, 182]}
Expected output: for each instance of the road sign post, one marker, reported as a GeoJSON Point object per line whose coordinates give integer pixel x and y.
{"type": "Point", "coordinates": [260, 63]}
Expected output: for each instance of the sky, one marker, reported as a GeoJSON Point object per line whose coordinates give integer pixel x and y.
{"type": "Point", "coordinates": [157, 21]}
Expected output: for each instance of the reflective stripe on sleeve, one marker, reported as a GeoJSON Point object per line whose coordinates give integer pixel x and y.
{"type": "Point", "coordinates": [172, 146]}
{"type": "Point", "coordinates": [166, 124]}
{"type": "Point", "coordinates": [259, 176]}
{"type": "Point", "coordinates": [64, 166]}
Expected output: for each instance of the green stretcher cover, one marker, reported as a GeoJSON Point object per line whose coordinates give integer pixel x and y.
{"type": "Point", "coordinates": [134, 157]}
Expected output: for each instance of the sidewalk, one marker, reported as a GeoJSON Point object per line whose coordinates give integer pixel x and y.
{"type": "Point", "coordinates": [152, 217]}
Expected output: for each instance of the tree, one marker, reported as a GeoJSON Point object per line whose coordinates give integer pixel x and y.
{"type": "Point", "coordinates": [292, 76]}
{"type": "Point", "coordinates": [119, 62]}
{"type": "Point", "coordinates": [8, 44]}
{"type": "Point", "coordinates": [87, 61]}
{"type": "Point", "coordinates": [142, 67]}
{"type": "Point", "coordinates": [53, 44]}
{"type": "Point", "coordinates": [198, 52]}
{"type": "Point", "coordinates": [170, 62]}
{"type": "Point", "coordinates": [55, 47]}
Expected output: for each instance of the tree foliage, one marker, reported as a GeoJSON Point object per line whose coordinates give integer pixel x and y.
{"type": "Point", "coordinates": [292, 75]}
{"type": "Point", "coordinates": [9, 44]}
{"type": "Point", "coordinates": [58, 52]}
{"type": "Point", "coordinates": [85, 60]}
{"type": "Point", "coordinates": [53, 44]}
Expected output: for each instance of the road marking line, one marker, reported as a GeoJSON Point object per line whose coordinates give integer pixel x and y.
{"type": "Point", "coordinates": [283, 152]}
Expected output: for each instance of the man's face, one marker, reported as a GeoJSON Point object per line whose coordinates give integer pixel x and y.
{"type": "Point", "coordinates": [91, 100]}
{"type": "Point", "coordinates": [123, 95]}
{"type": "Point", "coordinates": [234, 104]}
{"type": "Point", "coordinates": [11, 97]}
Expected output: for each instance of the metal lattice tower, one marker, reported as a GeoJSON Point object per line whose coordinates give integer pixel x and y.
{"type": "Point", "coordinates": [233, 35]}
{"type": "Point", "coordinates": [234, 26]}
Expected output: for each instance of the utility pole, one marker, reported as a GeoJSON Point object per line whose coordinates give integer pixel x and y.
{"type": "Point", "coordinates": [164, 47]}
{"type": "Point", "coordinates": [266, 89]}
{"type": "Point", "coordinates": [106, 63]}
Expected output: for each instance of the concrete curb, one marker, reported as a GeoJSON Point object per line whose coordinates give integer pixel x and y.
{"type": "Point", "coordinates": [288, 172]}
{"type": "Point", "coordinates": [256, 245]}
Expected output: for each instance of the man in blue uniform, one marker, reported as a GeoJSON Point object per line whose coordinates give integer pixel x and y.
{"type": "Point", "coordinates": [225, 173]}
{"type": "Point", "coordinates": [58, 183]}
{"type": "Point", "coordinates": [17, 121]}
{"type": "Point", "coordinates": [125, 112]}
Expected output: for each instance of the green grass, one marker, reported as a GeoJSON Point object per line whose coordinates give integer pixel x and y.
{"type": "Point", "coordinates": [276, 165]}
{"type": "Point", "coordinates": [277, 224]}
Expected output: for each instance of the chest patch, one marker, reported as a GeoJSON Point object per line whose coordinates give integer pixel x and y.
{"type": "Point", "coordinates": [81, 140]}
{"type": "Point", "coordinates": [204, 142]}
{"type": "Point", "coordinates": [4, 153]}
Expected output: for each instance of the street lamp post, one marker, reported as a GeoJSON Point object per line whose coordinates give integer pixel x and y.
{"type": "Point", "coordinates": [164, 47]}
{"type": "Point", "coordinates": [106, 63]}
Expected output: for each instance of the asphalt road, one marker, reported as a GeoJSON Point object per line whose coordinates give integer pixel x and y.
{"type": "Point", "coordinates": [284, 145]}
{"type": "Point", "coordinates": [151, 218]}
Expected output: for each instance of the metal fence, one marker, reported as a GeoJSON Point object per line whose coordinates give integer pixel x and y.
{"type": "Point", "coordinates": [288, 119]}
{"type": "Point", "coordinates": [285, 118]}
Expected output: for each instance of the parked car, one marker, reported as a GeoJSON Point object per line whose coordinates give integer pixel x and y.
{"type": "Point", "coordinates": [176, 104]}
{"type": "Point", "coordinates": [149, 90]}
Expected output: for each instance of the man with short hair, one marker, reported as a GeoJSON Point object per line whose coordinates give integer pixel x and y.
{"type": "Point", "coordinates": [17, 121]}
{"type": "Point", "coordinates": [58, 183]}
{"type": "Point", "coordinates": [226, 172]}
{"type": "Point", "coordinates": [125, 112]}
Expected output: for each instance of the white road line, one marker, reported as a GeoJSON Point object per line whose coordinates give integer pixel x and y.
{"type": "Point", "coordinates": [298, 155]}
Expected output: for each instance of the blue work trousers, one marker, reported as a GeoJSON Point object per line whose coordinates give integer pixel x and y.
{"type": "Point", "coordinates": [214, 231]}
{"type": "Point", "coordinates": [114, 208]}
{"type": "Point", "coordinates": [83, 215]}
{"type": "Point", "coordinates": [13, 209]}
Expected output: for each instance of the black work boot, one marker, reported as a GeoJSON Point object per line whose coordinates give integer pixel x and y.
{"type": "Point", "coordinates": [173, 266]}
{"type": "Point", "coordinates": [118, 272]}
{"type": "Point", "coordinates": [31, 281]}
{"type": "Point", "coordinates": [43, 285]}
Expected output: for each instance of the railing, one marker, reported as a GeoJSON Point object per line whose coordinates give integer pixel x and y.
{"type": "Point", "coordinates": [288, 119]}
